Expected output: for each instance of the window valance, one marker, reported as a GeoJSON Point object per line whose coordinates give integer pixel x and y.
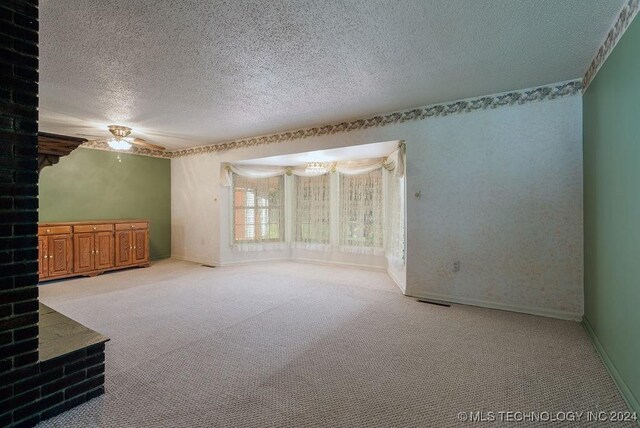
{"type": "Point", "coordinates": [394, 162]}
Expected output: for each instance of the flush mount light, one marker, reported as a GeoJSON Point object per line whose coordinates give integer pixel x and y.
{"type": "Point", "coordinates": [316, 168]}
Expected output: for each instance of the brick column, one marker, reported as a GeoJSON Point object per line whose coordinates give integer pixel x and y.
{"type": "Point", "coordinates": [18, 207]}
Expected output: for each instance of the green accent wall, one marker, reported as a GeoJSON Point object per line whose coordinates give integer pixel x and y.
{"type": "Point", "coordinates": [95, 184]}
{"type": "Point", "coordinates": [612, 212]}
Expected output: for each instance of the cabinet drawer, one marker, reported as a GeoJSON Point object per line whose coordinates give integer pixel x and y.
{"type": "Point", "coordinates": [130, 226]}
{"type": "Point", "coordinates": [54, 230]}
{"type": "Point", "coordinates": [85, 228]}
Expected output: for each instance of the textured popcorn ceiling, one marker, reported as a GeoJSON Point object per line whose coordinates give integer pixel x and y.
{"type": "Point", "coordinates": [187, 73]}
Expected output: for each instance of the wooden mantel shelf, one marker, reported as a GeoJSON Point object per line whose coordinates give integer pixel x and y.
{"type": "Point", "coordinates": [51, 147]}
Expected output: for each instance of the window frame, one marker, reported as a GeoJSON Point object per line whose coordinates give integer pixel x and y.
{"type": "Point", "coordinates": [256, 208]}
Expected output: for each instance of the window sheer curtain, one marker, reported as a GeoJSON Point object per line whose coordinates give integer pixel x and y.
{"type": "Point", "coordinates": [312, 212]}
{"type": "Point", "coordinates": [395, 219]}
{"type": "Point", "coordinates": [395, 211]}
{"type": "Point", "coordinates": [361, 212]}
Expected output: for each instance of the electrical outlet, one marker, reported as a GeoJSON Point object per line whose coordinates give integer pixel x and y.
{"type": "Point", "coordinates": [456, 266]}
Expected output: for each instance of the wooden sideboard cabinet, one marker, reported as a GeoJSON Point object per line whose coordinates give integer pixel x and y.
{"type": "Point", "coordinates": [91, 247]}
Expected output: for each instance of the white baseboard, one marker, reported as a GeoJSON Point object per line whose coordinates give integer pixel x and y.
{"type": "Point", "coordinates": [278, 259]}
{"type": "Point", "coordinates": [341, 264]}
{"type": "Point", "coordinates": [252, 262]}
{"type": "Point", "coordinates": [395, 279]}
{"type": "Point", "coordinates": [195, 260]}
{"type": "Point", "coordinates": [550, 313]}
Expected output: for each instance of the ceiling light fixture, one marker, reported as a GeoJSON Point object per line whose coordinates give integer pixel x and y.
{"type": "Point", "coordinates": [316, 168]}
{"type": "Point", "coordinates": [119, 140]}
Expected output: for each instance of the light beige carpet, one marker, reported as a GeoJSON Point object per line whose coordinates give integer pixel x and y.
{"type": "Point", "coordinates": [298, 345]}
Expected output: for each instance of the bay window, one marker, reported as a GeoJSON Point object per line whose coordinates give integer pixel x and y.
{"type": "Point", "coordinates": [355, 207]}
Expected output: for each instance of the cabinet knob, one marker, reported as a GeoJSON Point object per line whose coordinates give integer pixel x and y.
{"type": "Point", "coordinates": [96, 251]}
{"type": "Point", "coordinates": [94, 228]}
{"type": "Point", "coordinates": [48, 230]}
{"type": "Point", "coordinates": [134, 247]}
{"type": "Point", "coordinates": [131, 226]}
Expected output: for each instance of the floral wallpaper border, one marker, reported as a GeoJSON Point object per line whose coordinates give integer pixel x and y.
{"type": "Point", "coordinates": [101, 145]}
{"type": "Point", "coordinates": [628, 12]}
{"type": "Point", "coordinates": [541, 93]}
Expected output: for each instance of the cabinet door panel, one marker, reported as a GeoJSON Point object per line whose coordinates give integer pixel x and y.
{"type": "Point", "coordinates": [60, 258]}
{"type": "Point", "coordinates": [104, 250]}
{"type": "Point", "coordinates": [83, 252]}
{"type": "Point", "coordinates": [43, 261]}
{"type": "Point", "coordinates": [140, 251]}
{"type": "Point", "coordinates": [124, 248]}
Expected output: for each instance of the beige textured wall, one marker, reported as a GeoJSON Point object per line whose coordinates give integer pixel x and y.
{"type": "Point", "coordinates": [501, 192]}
